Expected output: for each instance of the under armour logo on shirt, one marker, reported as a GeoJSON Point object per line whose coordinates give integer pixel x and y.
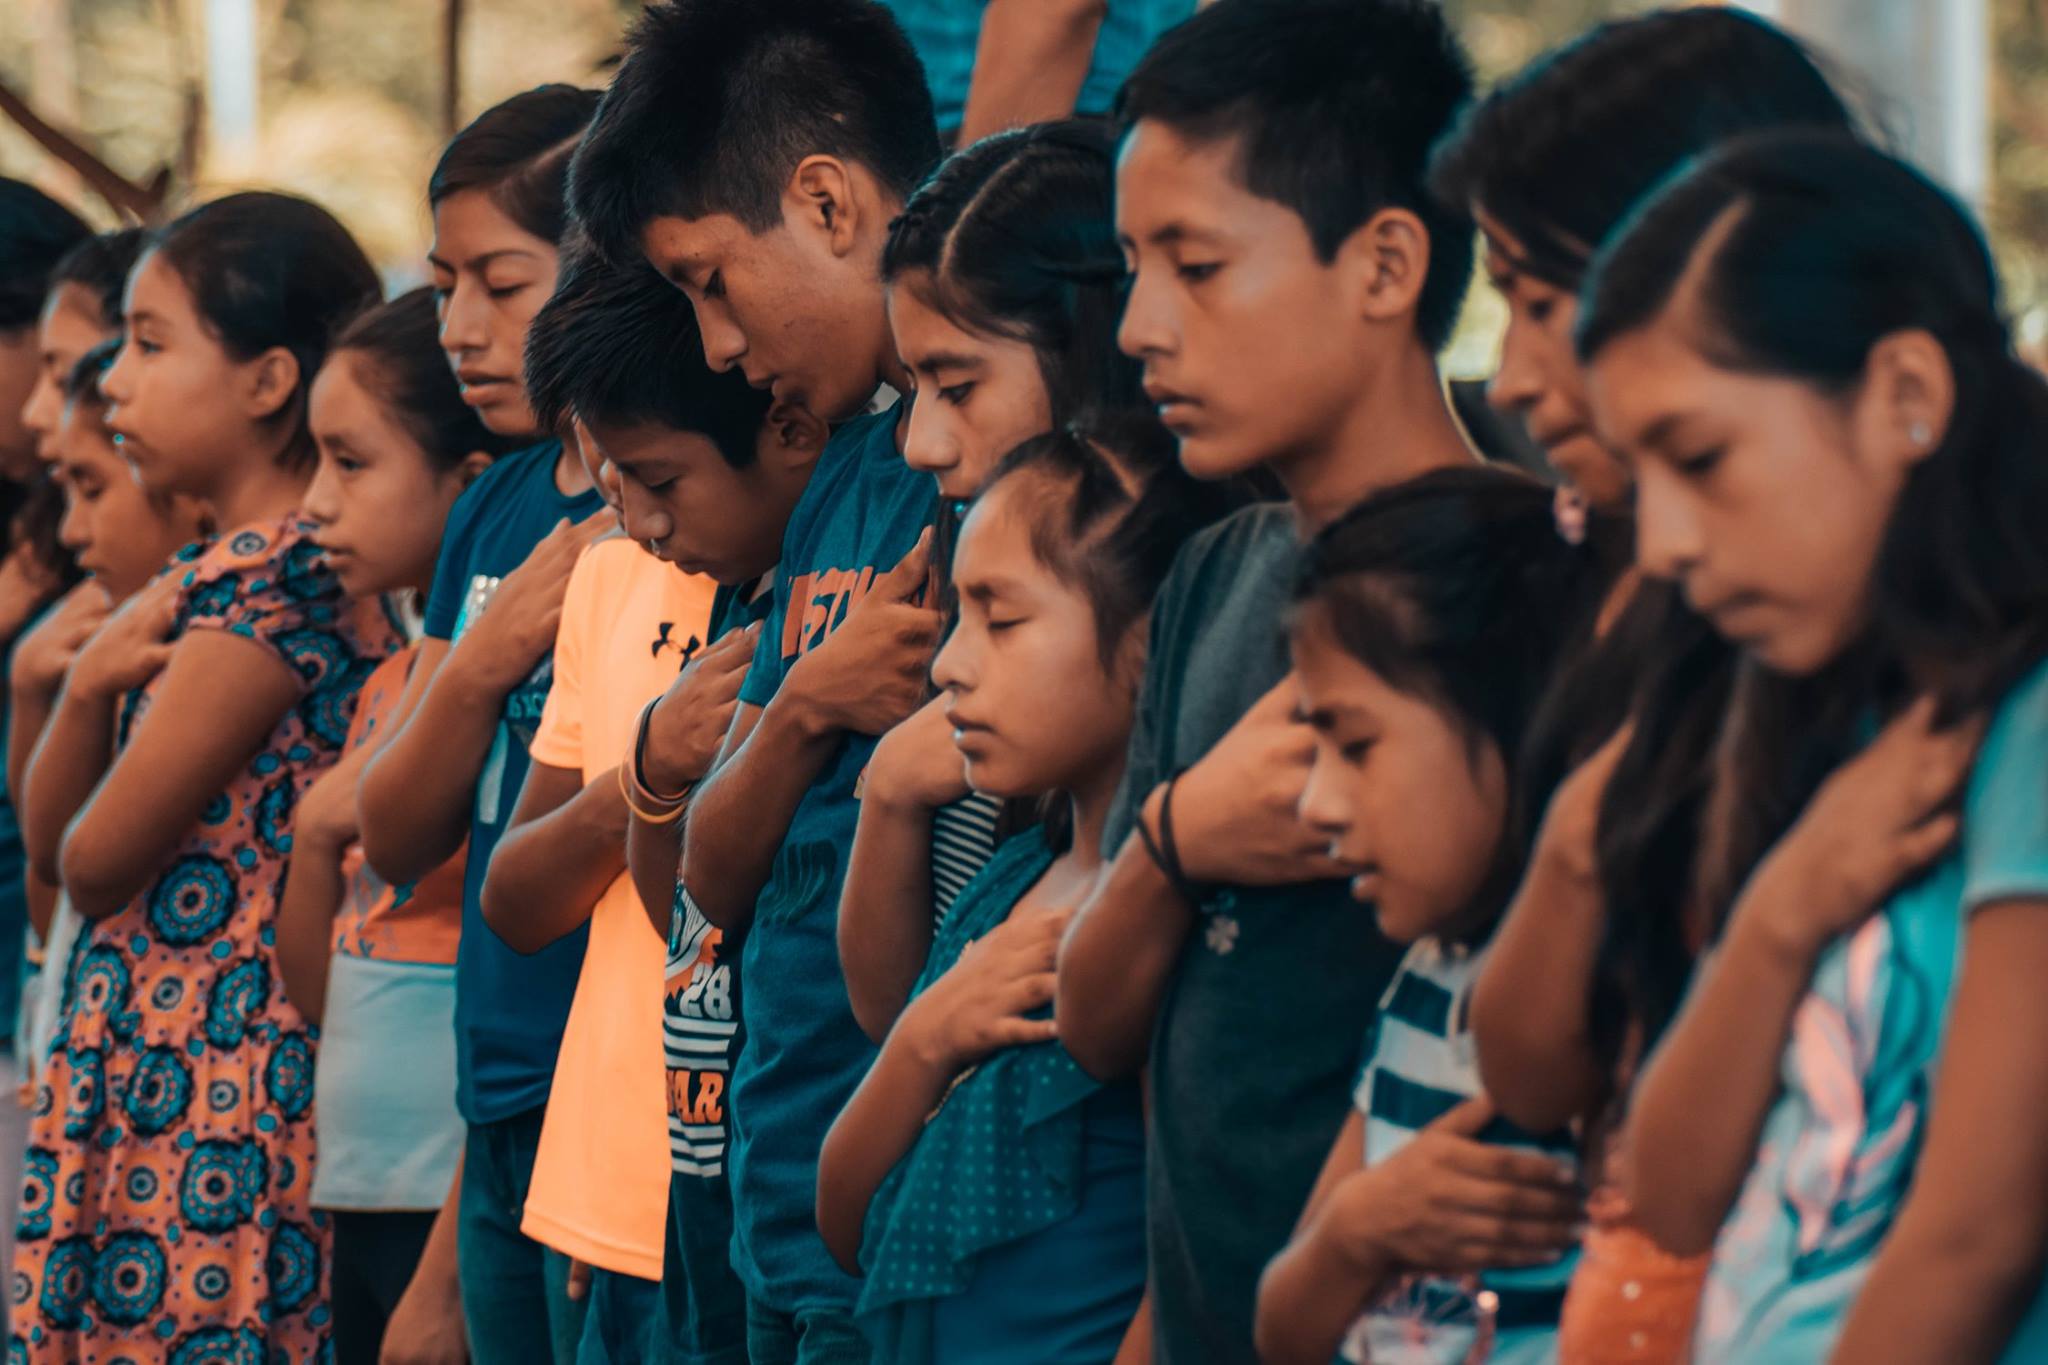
{"type": "Point", "coordinates": [688, 649]}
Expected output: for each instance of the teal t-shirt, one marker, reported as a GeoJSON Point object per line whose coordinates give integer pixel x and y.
{"type": "Point", "coordinates": [946, 34]}
{"type": "Point", "coordinates": [1838, 1148]}
{"type": "Point", "coordinates": [861, 513]}
{"type": "Point", "coordinates": [510, 1008]}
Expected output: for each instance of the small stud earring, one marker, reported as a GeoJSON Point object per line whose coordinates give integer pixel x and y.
{"type": "Point", "coordinates": [1920, 434]}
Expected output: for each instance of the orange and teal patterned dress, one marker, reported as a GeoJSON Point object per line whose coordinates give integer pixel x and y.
{"type": "Point", "coordinates": [165, 1213]}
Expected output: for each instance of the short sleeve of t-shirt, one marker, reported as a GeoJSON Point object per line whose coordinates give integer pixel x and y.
{"type": "Point", "coordinates": [2005, 813]}
{"type": "Point", "coordinates": [764, 675]}
{"type": "Point", "coordinates": [850, 460]}
{"type": "Point", "coordinates": [451, 581]}
{"type": "Point", "coordinates": [558, 742]}
{"type": "Point", "coordinates": [269, 584]}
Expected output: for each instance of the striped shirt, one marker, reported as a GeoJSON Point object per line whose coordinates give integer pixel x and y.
{"type": "Point", "coordinates": [963, 840]}
{"type": "Point", "coordinates": [699, 1025]}
{"type": "Point", "coordinates": [1421, 1063]}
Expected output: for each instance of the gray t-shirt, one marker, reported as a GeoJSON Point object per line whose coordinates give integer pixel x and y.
{"type": "Point", "coordinates": [1258, 1038]}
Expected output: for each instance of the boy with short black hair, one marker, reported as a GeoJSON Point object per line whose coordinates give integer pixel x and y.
{"type": "Point", "coordinates": [631, 626]}
{"type": "Point", "coordinates": [706, 470]}
{"type": "Point", "coordinates": [1292, 282]}
{"type": "Point", "coordinates": [755, 155]}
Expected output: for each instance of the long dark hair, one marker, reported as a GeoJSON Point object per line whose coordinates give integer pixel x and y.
{"type": "Point", "coordinates": [269, 270]}
{"type": "Point", "coordinates": [1650, 93]}
{"type": "Point", "coordinates": [517, 151]}
{"type": "Point", "coordinates": [1800, 252]}
{"type": "Point", "coordinates": [1456, 588]}
{"type": "Point", "coordinates": [398, 345]}
{"type": "Point", "coordinates": [1015, 237]}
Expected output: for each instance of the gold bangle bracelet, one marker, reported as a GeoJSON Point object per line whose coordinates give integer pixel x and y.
{"type": "Point", "coordinates": [646, 817]}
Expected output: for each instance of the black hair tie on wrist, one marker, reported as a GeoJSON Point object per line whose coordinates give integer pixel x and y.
{"type": "Point", "coordinates": [1165, 852]}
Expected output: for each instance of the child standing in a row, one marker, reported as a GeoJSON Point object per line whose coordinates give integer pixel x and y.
{"type": "Point", "coordinates": [373, 964]}
{"type": "Point", "coordinates": [170, 1163]}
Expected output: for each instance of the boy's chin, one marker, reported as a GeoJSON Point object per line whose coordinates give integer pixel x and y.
{"type": "Point", "coordinates": [1212, 456]}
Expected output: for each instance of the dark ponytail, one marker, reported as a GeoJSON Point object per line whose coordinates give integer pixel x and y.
{"type": "Point", "coordinates": [1799, 253]}
{"type": "Point", "coordinates": [1015, 237]}
{"type": "Point", "coordinates": [398, 345]}
{"type": "Point", "coordinates": [517, 152]}
{"type": "Point", "coordinates": [1455, 587]}
{"type": "Point", "coordinates": [267, 270]}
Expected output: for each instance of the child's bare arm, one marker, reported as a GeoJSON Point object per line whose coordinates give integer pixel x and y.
{"type": "Point", "coordinates": [1881, 817]}
{"type": "Point", "coordinates": [187, 747]}
{"type": "Point", "coordinates": [885, 909]}
{"type": "Point", "coordinates": [862, 679]}
{"type": "Point", "coordinates": [1530, 1012]}
{"type": "Point", "coordinates": [323, 827]}
{"type": "Point", "coordinates": [1444, 1203]}
{"type": "Point", "coordinates": [1965, 1258]}
{"type": "Point", "coordinates": [565, 844]}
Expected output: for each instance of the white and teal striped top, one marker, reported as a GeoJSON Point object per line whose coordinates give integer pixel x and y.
{"type": "Point", "coordinates": [963, 840]}
{"type": "Point", "coordinates": [1422, 1062]}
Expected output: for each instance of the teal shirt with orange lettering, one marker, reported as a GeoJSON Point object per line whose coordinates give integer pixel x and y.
{"type": "Point", "coordinates": [862, 512]}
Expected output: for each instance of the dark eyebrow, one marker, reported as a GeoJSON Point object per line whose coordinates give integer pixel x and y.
{"type": "Point", "coordinates": [478, 263]}
{"type": "Point", "coordinates": [1658, 433]}
{"type": "Point", "coordinates": [947, 360]}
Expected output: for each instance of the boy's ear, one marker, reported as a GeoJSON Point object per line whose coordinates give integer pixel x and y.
{"type": "Point", "coordinates": [1907, 399]}
{"type": "Point", "coordinates": [473, 464]}
{"type": "Point", "coordinates": [273, 378]}
{"type": "Point", "coordinates": [1387, 261]}
{"type": "Point", "coordinates": [821, 197]}
{"type": "Point", "coordinates": [793, 434]}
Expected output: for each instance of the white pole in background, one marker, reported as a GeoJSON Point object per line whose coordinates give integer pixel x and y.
{"type": "Point", "coordinates": [1928, 64]}
{"type": "Point", "coordinates": [231, 84]}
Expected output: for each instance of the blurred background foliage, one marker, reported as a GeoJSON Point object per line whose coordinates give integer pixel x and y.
{"type": "Point", "coordinates": [352, 104]}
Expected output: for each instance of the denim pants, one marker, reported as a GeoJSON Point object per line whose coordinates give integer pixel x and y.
{"type": "Point", "coordinates": [619, 1323]}
{"type": "Point", "coordinates": [515, 1295]}
{"type": "Point", "coordinates": [818, 1337]}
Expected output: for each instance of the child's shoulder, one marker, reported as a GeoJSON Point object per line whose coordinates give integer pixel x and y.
{"type": "Point", "coordinates": [507, 473]}
{"type": "Point", "coordinates": [861, 498]}
{"type": "Point", "coordinates": [613, 555]}
{"type": "Point", "coordinates": [259, 559]}
{"type": "Point", "coordinates": [2005, 806]}
{"type": "Point", "coordinates": [1250, 540]}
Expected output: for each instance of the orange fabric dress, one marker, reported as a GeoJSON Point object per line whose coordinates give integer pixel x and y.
{"type": "Point", "coordinates": [1630, 1301]}
{"type": "Point", "coordinates": [164, 1211]}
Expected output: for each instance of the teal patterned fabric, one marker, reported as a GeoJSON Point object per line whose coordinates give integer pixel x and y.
{"type": "Point", "coordinates": [1001, 1160]}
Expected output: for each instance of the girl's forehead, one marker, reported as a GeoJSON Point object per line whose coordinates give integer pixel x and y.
{"type": "Point", "coordinates": [996, 538]}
